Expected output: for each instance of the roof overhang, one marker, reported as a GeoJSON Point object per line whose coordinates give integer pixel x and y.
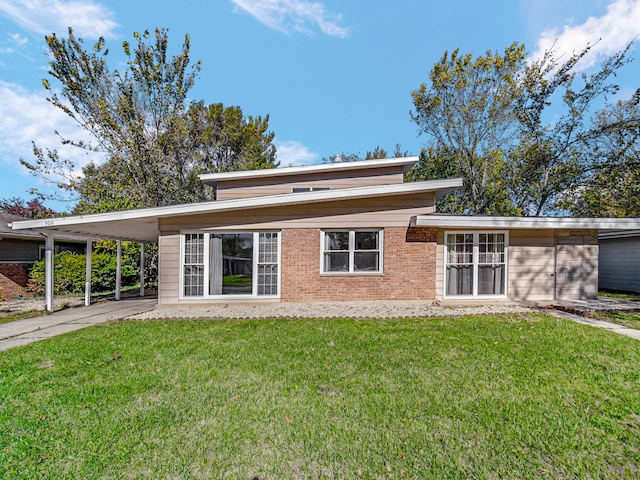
{"type": "Point", "coordinates": [405, 163]}
{"type": "Point", "coordinates": [143, 225]}
{"type": "Point", "coordinates": [492, 222]}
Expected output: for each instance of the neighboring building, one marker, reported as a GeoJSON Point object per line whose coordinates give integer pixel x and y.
{"type": "Point", "coordinates": [349, 231]}
{"type": "Point", "coordinates": [18, 252]}
{"type": "Point", "coordinates": [619, 261]}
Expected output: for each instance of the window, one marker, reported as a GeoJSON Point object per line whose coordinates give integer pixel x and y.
{"type": "Point", "coordinates": [308, 189]}
{"type": "Point", "coordinates": [476, 264]}
{"type": "Point", "coordinates": [239, 264]}
{"type": "Point", "coordinates": [351, 251]}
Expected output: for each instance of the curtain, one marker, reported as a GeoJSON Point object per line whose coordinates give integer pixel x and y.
{"type": "Point", "coordinates": [215, 266]}
{"type": "Point", "coordinates": [460, 280]}
{"type": "Point", "coordinates": [491, 280]}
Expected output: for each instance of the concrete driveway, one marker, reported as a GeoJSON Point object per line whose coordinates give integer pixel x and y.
{"type": "Point", "coordinates": [23, 332]}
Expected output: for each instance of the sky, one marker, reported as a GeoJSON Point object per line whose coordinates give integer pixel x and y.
{"type": "Point", "coordinates": [333, 76]}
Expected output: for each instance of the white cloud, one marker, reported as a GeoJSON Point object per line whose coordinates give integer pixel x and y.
{"type": "Point", "coordinates": [608, 34]}
{"type": "Point", "coordinates": [17, 39]}
{"type": "Point", "coordinates": [88, 19]}
{"type": "Point", "coordinates": [291, 153]}
{"type": "Point", "coordinates": [26, 116]}
{"type": "Point", "coordinates": [294, 16]}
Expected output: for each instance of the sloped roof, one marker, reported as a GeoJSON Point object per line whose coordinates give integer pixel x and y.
{"type": "Point", "coordinates": [6, 231]}
{"type": "Point", "coordinates": [403, 163]}
{"type": "Point", "coordinates": [142, 225]}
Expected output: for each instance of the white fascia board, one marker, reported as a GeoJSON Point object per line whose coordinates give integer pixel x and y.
{"type": "Point", "coordinates": [479, 221]}
{"type": "Point", "coordinates": [405, 162]}
{"type": "Point", "coordinates": [242, 204]}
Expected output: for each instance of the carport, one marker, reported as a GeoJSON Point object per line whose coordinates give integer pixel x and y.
{"type": "Point", "coordinates": [119, 226]}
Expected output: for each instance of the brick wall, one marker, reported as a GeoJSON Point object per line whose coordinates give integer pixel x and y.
{"type": "Point", "coordinates": [13, 279]}
{"type": "Point", "coordinates": [409, 270]}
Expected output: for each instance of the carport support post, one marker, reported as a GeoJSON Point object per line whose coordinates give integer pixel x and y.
{"type": "Point", "coordinates": [87, 276]}
{"type": "Point", "coordinates": [48, 272]}
{"type": "Point", "coordinates": [118, 269]}
{"type": "Point", "coordinates": [142, 269]}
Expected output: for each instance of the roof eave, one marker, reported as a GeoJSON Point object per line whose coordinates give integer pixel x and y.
{"type": "Point", "coordinates": [461, 221]}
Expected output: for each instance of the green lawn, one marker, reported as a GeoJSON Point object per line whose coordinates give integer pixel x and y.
{"type": "Point", "coordinates": [629, 319]}
{"type": "Point", "coordinates": [525, 396]}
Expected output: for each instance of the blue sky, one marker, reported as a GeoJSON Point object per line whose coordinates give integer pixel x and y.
{"type": "Point", "coordinates": [334, 76]}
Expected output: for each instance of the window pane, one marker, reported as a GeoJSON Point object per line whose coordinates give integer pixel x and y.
{"type": "Point", "coordinates": [267, 263]}
{"type": "Point", "coordinates": [336, 262]}
{"type": "Point", "coordinates": [231, 264]}
{"type": "Point", "coordinates": [336, 241]}
{"type": "Point", "coordinates": [366, 241]}
{"type": "Point", "coordinates": [460, 280]}
{"type": "Point", "coordinates": [365, 262]}
{"type": "Point", "coordinates": [491, 279]}
{"type": "Point", "coordinates": [193, 280]}
{"type": "Point", "coordinates": [267, 279]}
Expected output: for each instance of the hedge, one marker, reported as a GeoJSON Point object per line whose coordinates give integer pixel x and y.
{"type": "Point", "coordinates": [69, 275]}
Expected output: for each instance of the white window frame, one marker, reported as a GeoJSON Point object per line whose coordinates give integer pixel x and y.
{"type": "Point", "coordinates": [476, 255]}
{"type": "Point", "coordinates": [352, 250]}
{"type": "Point", "coordinates": [254, 286]}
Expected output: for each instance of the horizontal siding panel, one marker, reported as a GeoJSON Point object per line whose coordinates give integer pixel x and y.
{"type": "Point", "coordinates": [281, 189]}
{"type": "Point", "coordinates": [619, 262]}
{"type": "Point", "coordinates": [257, 187]}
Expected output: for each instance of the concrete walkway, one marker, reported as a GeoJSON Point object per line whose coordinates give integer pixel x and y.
{"type": "Point", "coordinates": [22, 332]}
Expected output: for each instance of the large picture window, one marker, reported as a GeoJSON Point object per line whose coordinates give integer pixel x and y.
{"type": "Point", "coordinates": [242, 264]}
{"type": "Point", "coordinates": [476, 264]}
{"type": "Point", "coordinates": [351, 251]}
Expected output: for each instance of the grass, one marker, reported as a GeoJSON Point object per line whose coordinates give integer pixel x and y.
{"type": "Point", "coordinates": [525, 396]}
{"type": "Point", "coordinates": [629, 319]}
{"type": "Point", "coordinates": [20, 315]}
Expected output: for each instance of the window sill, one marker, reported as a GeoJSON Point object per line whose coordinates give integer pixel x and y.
{"type": "Point", "coordinates": [351, 274]}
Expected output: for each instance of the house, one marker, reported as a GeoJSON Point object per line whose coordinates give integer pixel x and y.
{"type": "Point", "coordinates": [619, 261]}
{"type": "Point", "coordinates": [349, 231]}
{"type": "Point", "coordinates": [19, 251]}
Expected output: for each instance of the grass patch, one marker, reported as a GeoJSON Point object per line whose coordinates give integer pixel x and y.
{"type": "Point", "coordinates": [526, 396]}
{"type": "Point", "coordinates": [629, 319]}
{"type": "Point", "coordinates": [623, 296]}
{"type": "Point", "coordinates": [6, 317]}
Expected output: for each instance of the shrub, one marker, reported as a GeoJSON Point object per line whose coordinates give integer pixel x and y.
{"type": "Point", "coordinates": [69, 273]}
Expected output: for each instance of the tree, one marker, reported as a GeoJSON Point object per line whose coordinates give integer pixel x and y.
{"type": "Point", "coordinates": [142, 121]}
{"type": "Point", "coordinates": [612, 187]}
{"type": "Point", "coordinates": [377, 153]}
{"type": "Point", "coordinates": [558, 155]}
{"type": "Point", "coordinates": [466, 114]}
{"type": "Point", "coordinates": [488, 120]}
{"type": "Point", "coordinates": [31, 209]}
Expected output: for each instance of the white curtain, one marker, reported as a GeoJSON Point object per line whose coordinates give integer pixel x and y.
{"type": "Point", "coordinates": [215, 266]}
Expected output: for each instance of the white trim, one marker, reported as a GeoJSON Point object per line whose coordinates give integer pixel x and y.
{"type": "Point", "coordinates": [405, 162]}
{"type": "Point", "coordinates": [490, 222]}
{"type": "Point", "coordinates": [475, 295]}
{"type": "Point", "coordinates": [142, 224]}
{"type": "Point", "coordinates": [352, 234]}
{"type": "Point", "coordinates": [206, 263]}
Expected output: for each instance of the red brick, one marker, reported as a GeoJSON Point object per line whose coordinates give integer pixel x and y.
{"type": "Point", "coordinates": [409, 269]}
